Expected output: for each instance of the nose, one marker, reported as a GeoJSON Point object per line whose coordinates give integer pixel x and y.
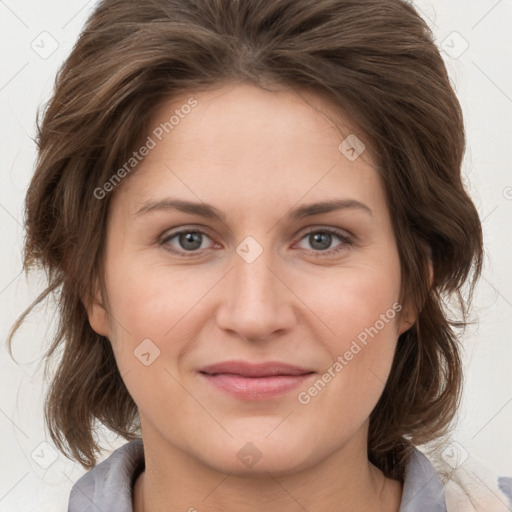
{"type": "Point", "coordinates": [256, 302]}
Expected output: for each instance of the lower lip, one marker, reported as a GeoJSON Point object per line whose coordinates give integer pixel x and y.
{"type": "Point", "coordinates": [255, 388]}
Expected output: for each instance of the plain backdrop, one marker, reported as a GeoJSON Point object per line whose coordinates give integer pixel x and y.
{"type": "Point", "coordinates": [36, 37]}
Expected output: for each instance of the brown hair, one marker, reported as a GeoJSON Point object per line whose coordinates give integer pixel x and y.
{"type": "Point", "coordinates": [377, 60]}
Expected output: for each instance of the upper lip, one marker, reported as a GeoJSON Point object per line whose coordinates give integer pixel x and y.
{"type": "Point", "coordinates": [246, 369]}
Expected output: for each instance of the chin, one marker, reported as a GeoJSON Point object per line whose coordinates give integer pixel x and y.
{"type": "Point", "coordinates": [257, 456]}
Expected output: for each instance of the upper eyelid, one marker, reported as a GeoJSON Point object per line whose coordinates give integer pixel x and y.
{"type": "Point", "coordinates": [171, 233]}
{"type": "Point", "coordinates": [204, 230]}
{"type": "Point", "coordinates": [336, 231]}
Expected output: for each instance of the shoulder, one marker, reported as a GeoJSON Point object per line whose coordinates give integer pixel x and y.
{"type": "Point", "coordinates": [108, 486]}
{"type": "Point", "coordinates": [422, 487]}
{"type": "Point", "coordinates": [469, 485]}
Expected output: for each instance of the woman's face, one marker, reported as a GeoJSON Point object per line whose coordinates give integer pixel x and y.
{"type": "Point", "coordinates": [215, 253]}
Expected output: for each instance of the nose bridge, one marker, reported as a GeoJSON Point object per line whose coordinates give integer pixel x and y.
{"type": "Point", "coordinates": [256, 302]}
{"type": "Point", "coordinates": [255, 284]}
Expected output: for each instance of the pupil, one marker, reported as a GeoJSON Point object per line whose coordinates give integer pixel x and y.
{"type": "Point", "coordinates": [324, 240]}
{"type": "Point", "coordinates": [190, 240]}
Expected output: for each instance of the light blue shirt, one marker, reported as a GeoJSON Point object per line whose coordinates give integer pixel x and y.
{"type": "Point", "coordinates": [108, 486]}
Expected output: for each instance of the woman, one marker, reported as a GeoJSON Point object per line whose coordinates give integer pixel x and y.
{"type": "Point", "coordinates": [252, 212]}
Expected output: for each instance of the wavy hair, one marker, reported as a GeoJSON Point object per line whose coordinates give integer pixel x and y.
{"type": "Point", "coordinates": [376, 60]}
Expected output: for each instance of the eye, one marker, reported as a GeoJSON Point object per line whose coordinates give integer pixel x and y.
{"type": "Point", "coordinates": [187, 240]}
{"type": "Point", "coordinates": [321, 241]}
{"type": "Point", "coordinates": [193, 241]}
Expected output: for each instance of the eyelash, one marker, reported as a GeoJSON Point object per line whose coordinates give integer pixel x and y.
{"type": "Point", "coordinates": [345, 241]}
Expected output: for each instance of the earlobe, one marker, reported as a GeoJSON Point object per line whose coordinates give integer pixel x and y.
{"type": "Point", "coordinates": [407, 319]}
{"type": "Point", "coordinates": [97, 313]}
{"type": "Point", "coordinates": [430, 273]}
{"type": "Point", "coordinates": [428, 251]}
{"type": "Point", "coordinates": [405, 323]}
{"type": "Point", "coordinates": [98, 319]}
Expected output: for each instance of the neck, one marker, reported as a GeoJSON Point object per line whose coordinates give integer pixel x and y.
{"type": "Point", "coordinates": [344, 481]}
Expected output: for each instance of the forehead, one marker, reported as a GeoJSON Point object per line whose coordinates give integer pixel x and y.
{"type": "Point", "coordinates": [239, 142]}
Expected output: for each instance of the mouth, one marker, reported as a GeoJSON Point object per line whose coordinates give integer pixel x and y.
{"type": "Point", "coordinates": [246, 369]}
{"type": "Point", "coordinates": [249, 381]}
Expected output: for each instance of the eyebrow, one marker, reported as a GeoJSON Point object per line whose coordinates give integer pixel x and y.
{"type": "Point", "coordinates": [208, 211]}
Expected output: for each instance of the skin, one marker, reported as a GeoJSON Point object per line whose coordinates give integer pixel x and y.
{"type": "Point", "coordinates": [254, 155]}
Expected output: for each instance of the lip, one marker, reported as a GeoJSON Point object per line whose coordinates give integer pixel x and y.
{"type": "Point", "coordinates": [246, 369]}
{"type": "Point", "coordinates": [249, 381]}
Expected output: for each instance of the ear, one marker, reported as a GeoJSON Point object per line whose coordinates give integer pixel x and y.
{"type": "Point", "coordinates": [97, 312]}
{"type": "Point", "coordinates": [408, 317]}
{"type": "Point", "coordinates": [406, 320]}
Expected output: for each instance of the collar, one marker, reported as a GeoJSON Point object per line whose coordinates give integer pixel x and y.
{"type": "Point", "coordinates": [108, 486]}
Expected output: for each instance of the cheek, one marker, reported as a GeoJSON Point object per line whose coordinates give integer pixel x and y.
{"type": "Point", "coordinates": [362, 308]}
{"type": "Point", "coordinates": [374, 311]}
{"type": "Point", "coordinates": [150, 301]}
{"type": "Point", "coordinates": [150, 330]}
{"type": "Point", "coordinates": [148, 297]}
{"type": "Point", "coordinates": [358, 302]}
